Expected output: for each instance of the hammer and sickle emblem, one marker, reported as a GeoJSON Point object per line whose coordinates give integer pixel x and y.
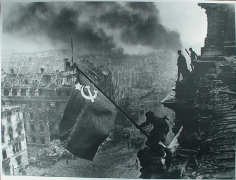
{"type": "Point", "coordinates": [81, 88]}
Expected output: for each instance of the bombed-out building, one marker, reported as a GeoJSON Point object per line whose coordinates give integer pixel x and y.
{"type": "Point", "coordinates": [13, 139]}
{"type": "Point", "coordinates": [204, 103]}
{"type": "Point", "coordinates": [44, 95]}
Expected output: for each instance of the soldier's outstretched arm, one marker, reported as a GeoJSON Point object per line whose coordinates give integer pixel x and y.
{"type": "Point", "coordinates": [146, 123]}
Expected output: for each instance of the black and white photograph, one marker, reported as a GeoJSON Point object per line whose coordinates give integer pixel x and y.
{"type": "Point", "coordinates": [118, 89]}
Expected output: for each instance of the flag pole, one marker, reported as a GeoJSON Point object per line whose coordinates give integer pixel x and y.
{"type": "Point", "coordinates": [72, 51]}
{"type": "Point", "coordinates": [72, 59]}
{"type": "Point", "coordinates": [130, 119]}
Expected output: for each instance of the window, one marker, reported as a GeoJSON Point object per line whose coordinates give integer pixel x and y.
{"type": "Point", "coordinates": [3, 134]}
{"type": "Point", "coordinates": [19, 127]}
{"type": "Point", "coordinates": [31, 115]}
{"type": "Point", "coordinates": [33, 140]}
{"type": "Point", "coordinates": [40, 116]}
{"type": "Point", "coordinates": [17, 148]}
{"type": "Point", "coordinates": [10, 133]}
{"type": "Point", "coordinates": [23, 92]}
{"type": "Point", "coordinates": [14, 92]}
{"type": "Point", "coordinates": [7, 170]}
{"type": "Point", "coordinates": [6, 92]}
{"type": "Point", "coordinates": [32, 127]}
{"type": "Point", "coordinates": [40, 92]}
{"type": "Point", "coordinates": [4, 154]}
{"type": "Point", "coordinates": [42, 140]}
{"type": "Point", "coordinates": [41, 128]}
{"type": "Point", "coordinates": [20, 147]}
{"type": "Point", "coordinates": [18, 160]}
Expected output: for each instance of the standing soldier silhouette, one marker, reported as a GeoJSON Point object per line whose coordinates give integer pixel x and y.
{"type": "Point", "coordinates": [193, 56]}
{"type": "Point", "coordinates": [182, 66]}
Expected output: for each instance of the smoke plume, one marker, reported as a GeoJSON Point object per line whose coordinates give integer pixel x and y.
{"type": "Point", "coordinates": [95, 27]}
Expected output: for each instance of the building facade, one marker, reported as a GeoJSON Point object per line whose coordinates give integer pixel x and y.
{"type": "Point", "coordinates": [13, 139]}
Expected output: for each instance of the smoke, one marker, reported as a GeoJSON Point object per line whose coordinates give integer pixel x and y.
{"type": "Point", "coordinates": [96, 27]}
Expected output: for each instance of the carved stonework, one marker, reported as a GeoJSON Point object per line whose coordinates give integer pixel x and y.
{"type": "Point", "coordinates": [221, 27]}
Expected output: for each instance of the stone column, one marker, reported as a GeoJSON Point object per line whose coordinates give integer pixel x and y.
{"type": "Point", "coordinates": [221, 27]}
{"type": "Point", "coordinates": [215, 30]}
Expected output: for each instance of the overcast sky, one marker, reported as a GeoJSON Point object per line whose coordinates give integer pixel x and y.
{"type": "Point", "coordinates": [180, 21]}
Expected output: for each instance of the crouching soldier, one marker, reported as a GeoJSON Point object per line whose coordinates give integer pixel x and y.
{"type": "Point", "coordinates": [156, 155]}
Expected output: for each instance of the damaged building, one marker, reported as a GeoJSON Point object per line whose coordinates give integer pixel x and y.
{"type": "Point", "coordinates": [204, 103]}
{"type": "Point", "coordinates": [13, 139]}
{"type": "Point", "coordinates": [44, 95]}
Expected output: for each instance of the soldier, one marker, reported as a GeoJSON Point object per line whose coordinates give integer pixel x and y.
{"type": "Point", "coordinates": [182, 66]}
{"type": "Point", "coordinates": [157, 136]}
{"type": "Point", "coordinates": [160, 127]}
{"type": "Point", "coordinates": [193, 56]}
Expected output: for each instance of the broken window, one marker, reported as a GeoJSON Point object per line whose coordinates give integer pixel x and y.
{"type": "Point", "coordinates": [6, 92]}
{"type": "Point", "coordinates": [32, 127]}
{"type": "Point", "coordinates": [31, 115]}
{"type": "Point", "coordinates": [40, 116]}
{"type": "Point", "coordinates": [14, 92]}
{"type": "Point", "coordinates": [41, 128]}
{"type": "Point", "coordinates": [10, 132]}
{"type": "Point", "coordinates": [23, 92]}
{"type": "Point", "coordinates": [40, 92]}
{"type": "Point", "coordinates": [19, 128]}
{"type": "Point", "coordinates": [16, 148]}
{"type": "Point", "coordinates": [33, 140]}
{"type": "Point", "coordinates": [20, 147]}
{"type": "Point", "coordinates": [42, 140]}
{"type": "Point", "coordinates": [3, 134]}
{"type": "Point", "coordinates": [4, 154]}
{"type": "Point", "coordinates": [18, 160]}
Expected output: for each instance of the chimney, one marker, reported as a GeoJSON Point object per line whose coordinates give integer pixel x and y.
{"type": "Point", "coordinates": [66, 64]}
{"type": "Point", "coordinates": [42, 70]}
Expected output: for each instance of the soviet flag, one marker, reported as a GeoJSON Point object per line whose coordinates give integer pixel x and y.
{"type": "Point", "coordinates": [88, 117]}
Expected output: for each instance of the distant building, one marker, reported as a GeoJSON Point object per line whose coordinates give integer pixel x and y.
{"type": "Point", "coordinates": [13, 138]}
{"type": "Point", "coordinates": [44, 95]}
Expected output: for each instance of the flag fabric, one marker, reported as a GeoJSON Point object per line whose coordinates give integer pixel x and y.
{"type": "Point", "coordinates": [86, 123]}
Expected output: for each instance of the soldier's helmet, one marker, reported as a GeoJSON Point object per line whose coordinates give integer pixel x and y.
{"type": "Point", "coordinates": [149, 114]}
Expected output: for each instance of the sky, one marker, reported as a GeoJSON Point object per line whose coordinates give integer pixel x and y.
{"type": "Point", "coordinates": [103, 27]}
